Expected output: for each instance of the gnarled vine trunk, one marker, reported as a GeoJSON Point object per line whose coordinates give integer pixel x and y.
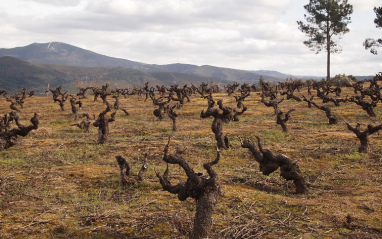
{"type": "Point", "coordinates": [363, 135]}
{"type": "Point", "coordinates": [8, 138]}
{"type": "Point", "coordinates": [204, 189]}
{"type": "Point", "coordinates": [270, 162]}
{"type": "Point", "coordinates": [103, 125]}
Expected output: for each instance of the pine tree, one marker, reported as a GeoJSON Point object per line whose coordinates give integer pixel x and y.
{"type": "Point", "coordinates": [326, 18]}
{"type": "Point", "coordinates": [370, 43]}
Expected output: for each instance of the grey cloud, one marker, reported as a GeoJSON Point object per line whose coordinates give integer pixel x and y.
{"type": "Point", "coordinates": [157, 15]}
{"type": "Point", "coordinates": [242, 10]}
{"type": "Point", "coordinates": [241, 34]}
{"type": "Point", "coordinates": [58, 2]}
{"type": "Point", "coordinates": [177, 13]}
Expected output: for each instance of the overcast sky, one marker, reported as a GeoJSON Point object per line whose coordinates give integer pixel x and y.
{"type": "Point", "coordinates": [239, 34]}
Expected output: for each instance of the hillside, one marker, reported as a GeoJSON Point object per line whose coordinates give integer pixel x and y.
{"type": "Point", "coordinates": [61, 63]}
{"type": "Point", "coordinates": [16, 73]}
{"type": "Point", "coordinates": [65, 54]}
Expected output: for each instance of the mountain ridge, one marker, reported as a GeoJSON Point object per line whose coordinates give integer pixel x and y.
{"type": "Point", "coordinates": [66, 54]}
{"type": "Point", "coordinates": [60, 63]}
{"type": "Point", "coordinates": [16, 73]}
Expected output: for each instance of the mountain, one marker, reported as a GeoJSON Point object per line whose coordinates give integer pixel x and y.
{"type": "Point", "coordinates": [275, 74]}
{"type": "Point", "coordinates": [55, 63]}
{"type": "Point", "coordinates": [16, 73]}
{"type": "Point", "coordinates": [65, 54]}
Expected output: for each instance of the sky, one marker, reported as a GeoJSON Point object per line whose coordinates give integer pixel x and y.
{"type": "Point", "coordinates": [238, 34]}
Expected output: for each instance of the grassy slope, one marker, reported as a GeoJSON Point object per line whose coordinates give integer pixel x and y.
{"type": "Point", "coordinates": [58, 183]}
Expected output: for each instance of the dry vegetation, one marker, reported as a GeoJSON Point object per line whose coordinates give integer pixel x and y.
{"type": "Point", "coordinates": [59, 183]}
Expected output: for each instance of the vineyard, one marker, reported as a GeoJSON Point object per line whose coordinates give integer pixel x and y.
{"type": "Point", "coordinates": [63, 181]}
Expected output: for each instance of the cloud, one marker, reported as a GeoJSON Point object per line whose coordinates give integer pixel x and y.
{"type": "Point", "coordinates": [56, 2]}
{"type": "Point", "coordinates": [242, 34]}
{"type": "Point", "coordinates": [185, 13]}
{"type": "Point", "coordinates": [365, 5]}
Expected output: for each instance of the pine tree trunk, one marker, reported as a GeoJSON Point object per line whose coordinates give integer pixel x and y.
{"type": "Point", "coordinates": [328, 52]}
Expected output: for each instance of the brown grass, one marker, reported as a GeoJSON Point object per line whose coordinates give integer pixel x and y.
{"type": "Point", "coordinates": [58, 183]}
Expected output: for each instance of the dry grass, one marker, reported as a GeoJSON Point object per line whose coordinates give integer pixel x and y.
{"type": "Point", "coordinates": [58, 183]}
